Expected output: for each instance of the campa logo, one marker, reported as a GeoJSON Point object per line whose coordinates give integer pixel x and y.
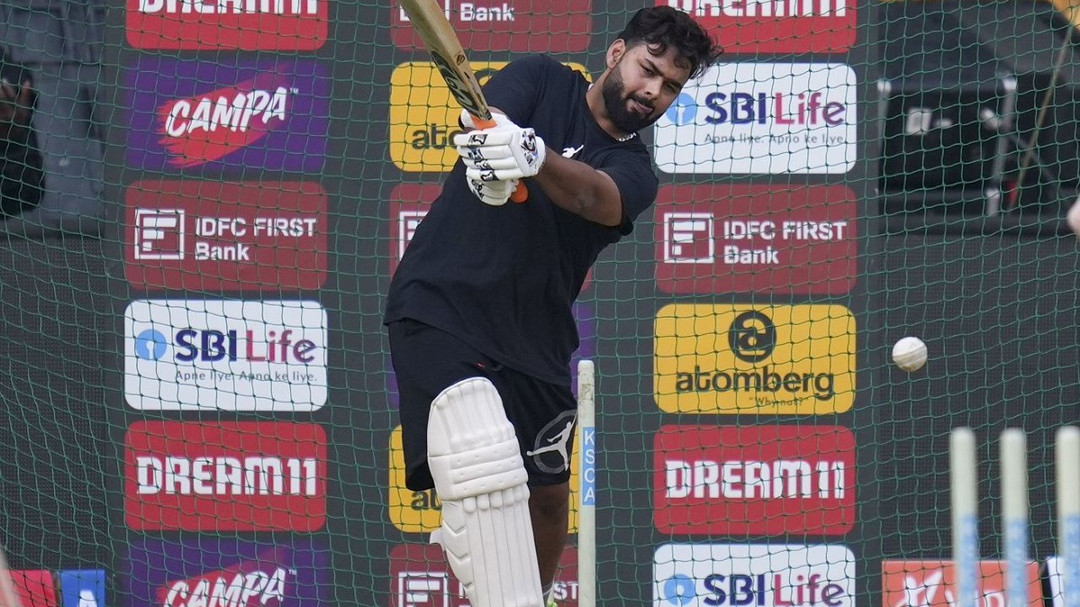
{"type": "Point", "coordinates": [239, 114]}
{"type": "Point", "coordinates": [207, 127]}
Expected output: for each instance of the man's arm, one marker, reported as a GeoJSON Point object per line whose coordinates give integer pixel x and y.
{"type": "Point", "coordinates": [581, 189]}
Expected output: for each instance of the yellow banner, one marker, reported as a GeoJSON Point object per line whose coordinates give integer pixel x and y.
{"type": "Point", "coordinates": [424, 116]}
{"type": "Point", "coordinates": [420, 511]}
{"type": "Point", "coordinates": [778, 360]}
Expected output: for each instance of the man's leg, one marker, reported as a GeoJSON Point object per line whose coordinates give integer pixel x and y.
{"type": "Point", "coordinates": [475, 460]}
{"type": "Point", "coordinates": [549, 507]}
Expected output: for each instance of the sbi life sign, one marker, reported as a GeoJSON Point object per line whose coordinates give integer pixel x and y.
{"type": "Point", "coordinates": [764, 118]}
{"type": "Point", "coordinates": [753, 575]}
{"type": "Point", "coordinates": [229, 355]}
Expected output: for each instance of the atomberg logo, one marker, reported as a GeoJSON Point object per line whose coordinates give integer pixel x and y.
{"type": "Point", "coordinates": [208, 571]}
{"type": "Point", "coordinates": [762, 118]}
{"type": "Point", "coordinates": [270, 114]}
{"type": "Point", "coordinates": [259, 582]}
{"type": "Point", "coordinates": [226, 354]}
{"type": "Point", "coordinates": [207, 127]}
{"type": "Point", "coordinates": [766, 359]}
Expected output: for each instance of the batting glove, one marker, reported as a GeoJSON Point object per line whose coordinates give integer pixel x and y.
{"type": "Point", "coordinates": [502, 153]}
{"type": "Point", "coordinates": [494, 193]}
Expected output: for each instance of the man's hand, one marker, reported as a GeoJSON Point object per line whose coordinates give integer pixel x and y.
{"type": "Point", "coordinates": [495, 193]}
{"type": "Point", "coordinates": [502, 153]}
{"type": "Point", "coordinates": [15, 109]}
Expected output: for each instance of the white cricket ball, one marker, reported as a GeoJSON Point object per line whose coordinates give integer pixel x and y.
{"type": "Point", "coordinates": [1073, 218]}
{"type": "Point", "coordinates": [909, 354]}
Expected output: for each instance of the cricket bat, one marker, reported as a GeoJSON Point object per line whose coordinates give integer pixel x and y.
{"type": "Point", "coordinates": [449, 57]}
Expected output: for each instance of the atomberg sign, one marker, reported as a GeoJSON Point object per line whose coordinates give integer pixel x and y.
{"type": "Point", "coordinates": [212, 235]}
{"type": "Point", "coordinates": [250, 25]}
{"type": "Point", "coordinates": [225, 355]}
{"type": "Point", "coordinates": [270, 114]}
{"type": "Point", "coordinates": [742, 358]}
{"type": "Point", "coordinates": [225, 476]}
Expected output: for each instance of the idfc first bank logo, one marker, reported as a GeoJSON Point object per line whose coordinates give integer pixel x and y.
{"type": "Point", "coordinates": [225, 355]}
{"type": "Point", "coordinates": [768, 118]}
{"type": "Point", "coordinates": [238, 115]}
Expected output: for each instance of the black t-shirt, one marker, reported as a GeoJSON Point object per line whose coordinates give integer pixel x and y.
{"type": "Point", "coordinates": [504, 279]}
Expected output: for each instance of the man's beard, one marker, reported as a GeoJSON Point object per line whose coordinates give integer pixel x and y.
{"type": "Point", "coordinates": [615, 102]}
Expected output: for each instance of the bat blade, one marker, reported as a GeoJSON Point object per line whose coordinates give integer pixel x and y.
{"type": "Point", "coordinates": [449, 57]}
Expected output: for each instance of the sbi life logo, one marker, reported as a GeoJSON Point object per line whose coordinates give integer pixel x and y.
{"type": "Point", "coordinates": [683, 110]}
{"type": "Point", "coordinates": [151, 344]}
{"type": "Point", "coordinates": [785, 589]}
{"type": "Point", "coordinates": [739, 107]}
{"type": "Point", "coordinates": [191, 345]}
{"type": "Point", "coordinates": [753, 575]}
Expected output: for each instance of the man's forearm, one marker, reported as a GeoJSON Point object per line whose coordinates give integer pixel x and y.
{"type": "Point", "coordinates": [581, 189]}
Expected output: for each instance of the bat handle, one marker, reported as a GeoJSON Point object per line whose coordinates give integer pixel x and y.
{"type": "Point", "coordinates": [521, 194]}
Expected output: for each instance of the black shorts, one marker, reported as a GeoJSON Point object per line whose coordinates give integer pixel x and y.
{"type": "Point", "coordinates": [427, 361]}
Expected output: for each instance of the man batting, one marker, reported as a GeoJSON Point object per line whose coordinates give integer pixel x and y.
{"type": "Point", "coordinates": [479, 312]}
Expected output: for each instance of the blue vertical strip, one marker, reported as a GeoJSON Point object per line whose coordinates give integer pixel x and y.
{"type": "Point", "coordinates": [967, 565]}
{"type": "Point", "coordinates": [588, 466]}
{"type": "Point", "coordinates": [1070, 561]}
{"type": "Point", "coordinates": [83, 588]}
{"type": "Point", "coordinates": [1017, 560]}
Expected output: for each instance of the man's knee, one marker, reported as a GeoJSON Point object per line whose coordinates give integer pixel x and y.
{"type": "Point", "coordinates": [475, 460]}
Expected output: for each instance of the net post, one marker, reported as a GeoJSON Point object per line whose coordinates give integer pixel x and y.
{"type": "Point", "coordinates": [586, 419]}
{"type": "Point", "coordinates": [1015, 513]}
{"type": "Point", "coordinates": [965, 515]}
{"type": "Point", "coordinates": [1067, 472]}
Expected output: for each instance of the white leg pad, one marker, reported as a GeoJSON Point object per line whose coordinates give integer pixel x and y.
{"type": "Point", "coordinates": [486, 531]}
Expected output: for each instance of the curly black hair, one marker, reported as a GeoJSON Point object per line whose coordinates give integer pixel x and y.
{"type": "Point", "coordinates": [664, 27]}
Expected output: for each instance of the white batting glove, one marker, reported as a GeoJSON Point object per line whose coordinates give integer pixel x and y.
{"type": "Point", "coordinates": [502, 153]}
{"type": "Point", "coordinates": [494, 193]}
